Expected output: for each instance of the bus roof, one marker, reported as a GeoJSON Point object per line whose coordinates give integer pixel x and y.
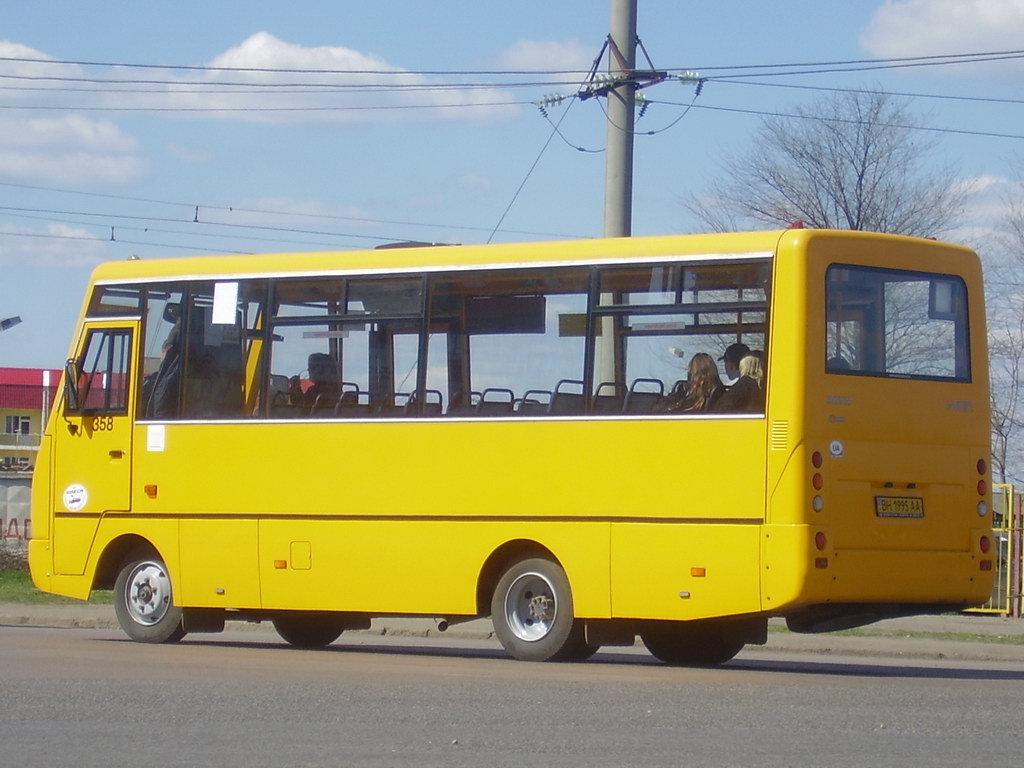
{"type": "Point", "coordinates": [710, 246]}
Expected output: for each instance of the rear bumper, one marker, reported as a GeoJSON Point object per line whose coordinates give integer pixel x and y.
{"type": "Point", "coordinates": [797, 574]}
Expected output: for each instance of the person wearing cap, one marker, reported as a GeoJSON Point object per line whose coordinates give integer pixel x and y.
{"type": "Point", "coordinates": [733, 354]}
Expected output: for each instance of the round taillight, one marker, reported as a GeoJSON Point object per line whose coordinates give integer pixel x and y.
{"type": "Point", "coordinates": [820, 541]}
{"type": "Point", "coordinates": [982, 467]}
{"type": "Point", "coordinates": [985, 544]}
{"type": "Point", "coordinates": [816, 459]}
{"type": "Point", "coordinates": [817, 481]}
{"type": "Point", "coordinates": [982, 487]}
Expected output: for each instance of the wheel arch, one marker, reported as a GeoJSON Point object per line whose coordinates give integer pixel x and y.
{"type": "Point", "coordinates": [117, 553]}
{"type": "Point", "coordinates": [498, 561]}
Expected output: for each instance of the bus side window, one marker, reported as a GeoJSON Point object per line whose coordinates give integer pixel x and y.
{"type": "Point", "coordinates": [214, 362]}
{"type": "Point", "coordinates": [103, 373]}
{"type": "Point", "coordinates": [162, 354]}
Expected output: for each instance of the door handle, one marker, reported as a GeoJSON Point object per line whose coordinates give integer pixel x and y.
{"type": "Point", "coordinates": [117, 454]}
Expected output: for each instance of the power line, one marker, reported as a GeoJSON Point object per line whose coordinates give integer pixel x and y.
{"type": "Point", "coordinates": [933, 60]}
{"type": "Point", "coordinates": [48, 236]}
{"type": "Point", "coordinates": [827, 89]}
{"type": "Point", "coordinates": [764, 113]}
{"type": "Point", "coordinates": [193, 206]}
{"type": "Point", "coordinates": [383, 107]}
{"type": "Point", "coordinates": [575, 74]}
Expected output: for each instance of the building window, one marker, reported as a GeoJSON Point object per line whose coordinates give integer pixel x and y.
{"type": "Point", "coordinates": [16, 425]}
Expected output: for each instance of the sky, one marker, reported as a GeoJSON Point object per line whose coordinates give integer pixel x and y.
{"type": "Point", "coordinates": [157, 130]}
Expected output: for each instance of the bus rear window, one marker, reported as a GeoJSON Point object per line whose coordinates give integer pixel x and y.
{"type": "Point", "coordinates": [896, 324]}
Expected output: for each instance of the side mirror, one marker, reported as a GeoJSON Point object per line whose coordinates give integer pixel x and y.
{"type": "Point", "coordinates": [71, 398]}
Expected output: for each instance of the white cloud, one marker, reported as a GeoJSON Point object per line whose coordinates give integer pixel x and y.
{"type": "Point", "coordinates": [68, 150]}
{"type": "Point", "coordinates": [339, 85]}
{"type": "Point", "coordinates": [72, 130]}
{"type": "Point", "coordinates": [549, 55]}
{"type": "Point", "coordinates": [336, 85]}
{"type": "Point", "coordinates": [475, 181]}
{"type": "Point", "coordinates": [55, 245]}
{"type": "Point", "coordinates": [939, 27]}
{"type": "Point", "coordinates": [187, 153]}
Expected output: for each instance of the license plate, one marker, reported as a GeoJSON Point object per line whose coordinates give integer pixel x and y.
{"type": "Point", "coordinates": [899, 506]}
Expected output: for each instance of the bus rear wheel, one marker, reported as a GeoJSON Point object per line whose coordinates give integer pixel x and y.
{"type": "Point", "coordinates": [690, 644]}
{"type": "Point", "coordinates": [309, 630]}
{"type": "Point", "coordinates": [144, 604]}
{"type": "Point", "coordinates": [532, 613]}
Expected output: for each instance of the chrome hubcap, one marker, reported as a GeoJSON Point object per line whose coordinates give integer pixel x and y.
{"type": "Point", "coordinates": [530, 608]}
{"type": "Point", "coordinates": [148, 595]}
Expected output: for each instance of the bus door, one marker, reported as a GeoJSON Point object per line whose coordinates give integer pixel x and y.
{"type": "Point", "coordinates": [92, 441]}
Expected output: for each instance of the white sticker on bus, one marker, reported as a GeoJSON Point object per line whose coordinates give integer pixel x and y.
{"type": "Point", "coordinates": [836, 449]}
{"type": "Point", "coordinates": [156, 438]}
{"type": "Point", "coordinates": [75, 498]}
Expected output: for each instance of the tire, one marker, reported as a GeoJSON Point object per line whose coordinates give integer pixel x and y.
{"type": "Point", "coordinates": [144, 604]}
{"type": "Point", "coordinates": [532, 613]}
{"type": "Point", "coordinates": [690, 644]}
{"type": "Point", "coordinates": [309, 630]}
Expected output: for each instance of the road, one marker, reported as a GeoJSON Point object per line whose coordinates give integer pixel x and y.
{"type": "Point", "coordinates": [77, 697]}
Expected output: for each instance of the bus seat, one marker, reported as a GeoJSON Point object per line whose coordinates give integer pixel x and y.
{"type": "Point", "coordinates": [565, 402]}
{"type": "Point", "coordinates": [353, 403]}
{"type": "Point", "coordinates": [495, 401]}
{"type": "Point", "coordinates": [432, 403]}
{"type": "Point", "coordinates": [643, 395]}
{"type": "Point", "coordinates": [533, 402]}
{"type": "Point", "coordinates": [463, 405]}
{"type": "Point", "coordinates": [324, 405]}
{"type": "Point", "coordinates": [609, 397]}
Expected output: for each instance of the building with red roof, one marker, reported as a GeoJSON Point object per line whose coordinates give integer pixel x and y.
{"type": "Point", "coordinates": [25, 398]}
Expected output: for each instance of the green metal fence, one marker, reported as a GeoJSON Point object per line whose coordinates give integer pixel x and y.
{"type": "Point", "coordinates": [1007, 530]}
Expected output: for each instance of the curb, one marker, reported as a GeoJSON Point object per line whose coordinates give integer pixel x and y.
{"type": "Point", "coordinates": [954, 637]}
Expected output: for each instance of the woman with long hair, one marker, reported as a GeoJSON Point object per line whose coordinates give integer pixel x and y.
{"type": "Point", "coordinates": [704, 386]}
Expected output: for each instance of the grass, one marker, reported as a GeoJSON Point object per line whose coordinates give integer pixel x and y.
{"type": "Point", "coordinates": [16, 587]}
{"type": "Point", "coordinates": [963, 637]}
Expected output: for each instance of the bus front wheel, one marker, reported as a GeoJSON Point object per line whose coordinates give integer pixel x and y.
{"type": "Point", "coordinates": [309, 630]}
{"type": "Point", "coordinates": [144, 604]}
{"type": "Point", "coordinates": [532, 613]}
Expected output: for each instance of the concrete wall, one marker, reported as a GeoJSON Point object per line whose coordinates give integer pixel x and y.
{"type": "Point", "coordinates": [15, 525]}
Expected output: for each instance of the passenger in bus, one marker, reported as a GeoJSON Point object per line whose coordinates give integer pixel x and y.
{"type": "Point", "coordinates": [704, 386]}
{"type": "Point", "coordinates": [733, 354]}
{"type": "Point", "coordinates": [702, 389]}
{"type": "Point", "coordinates": [326, 386]}
{"type": "Point", "coordinates": [160, 389]}
{"type": "Point", "coordinates": [747, 394]}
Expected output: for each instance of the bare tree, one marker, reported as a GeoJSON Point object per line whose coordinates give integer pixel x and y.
{"type": "Point", "coordinates": [1005, 303]}
{"type": "Point", "coordinates": [1006, 353]}
{"type": "Point", "coordinates": [852, 160]}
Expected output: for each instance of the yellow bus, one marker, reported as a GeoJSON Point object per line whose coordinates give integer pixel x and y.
{"type": "Point", "coordinates": [454, 432]}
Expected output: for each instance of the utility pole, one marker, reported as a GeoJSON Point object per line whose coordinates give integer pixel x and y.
{"type": "Point", "coordinates": [618, 177]}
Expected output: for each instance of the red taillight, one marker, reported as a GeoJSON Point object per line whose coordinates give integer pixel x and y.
{"type": "Point", "coordinates": [982, 487]}
{"type": "Point", "coordinates": [986, 565]}
{"type": "Point", "coordinates": [985, 544]}
{"type": "Point", "coordinates": [820, 541]}
{"type": "Point", "coordinates": [817, 481]}
{"type": "Point", "coordinates": [816, 459]}
{"type": "Point", "coordinates": [982, 467]}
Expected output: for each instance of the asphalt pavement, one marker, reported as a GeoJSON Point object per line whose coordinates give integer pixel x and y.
{"type": "Point", "coordinates": [978, 637]}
